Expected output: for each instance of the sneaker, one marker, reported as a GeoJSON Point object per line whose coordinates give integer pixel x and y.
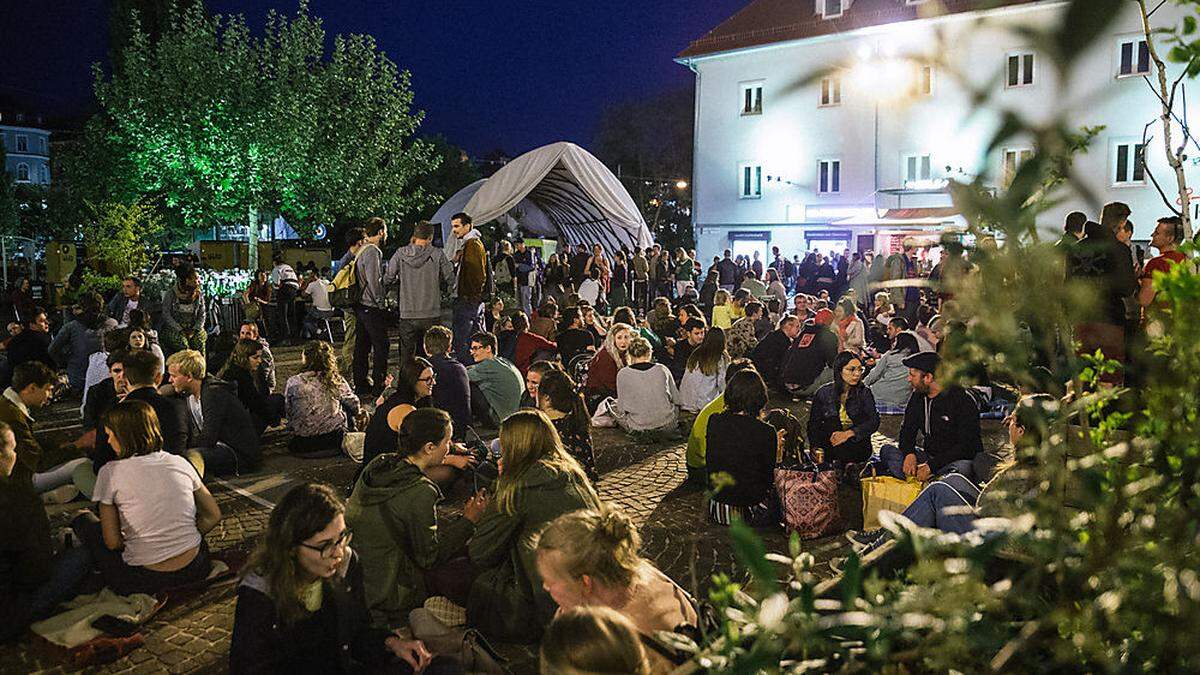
{"type": "Point", "coordinates": [860, 540]}
{"type": "Point", "coordinates": [837, 565]}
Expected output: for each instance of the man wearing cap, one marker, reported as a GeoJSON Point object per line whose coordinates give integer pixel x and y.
{"type": "Point", "coordinates": [947, 419]}
{"type": "Point", "coordinates": [809, 363]}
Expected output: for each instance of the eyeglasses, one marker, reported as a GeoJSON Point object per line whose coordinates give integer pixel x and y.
{"type": "Point", "coordinates": [327, 549]}
{"type": "Point", "coordinates": [853, 369]}
{"type": "Point", "coordinates": [431, 378]}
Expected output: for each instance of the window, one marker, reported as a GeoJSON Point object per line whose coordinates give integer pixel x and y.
{"type": "Point", "coordinates": [829, 176]}
{"type": "Point", "coordinates": [1129, 164]}
{"type": "Point", "coordinates": [42, 144]}
{"type": "Point", "coordinates": [752, 98]}
{"type": "Point", "coordinates": [23, 173]}
{"type": "Point", "coordinates": [1133, 58]}
{"type": "Point", "coordinates": [1020, 69]}
{"type": "Point", "coordinates": [44, 173]}
{"type": "Point", "coordinates": [1013, 159]}
{"type": "Point", "coordinates": [22, 144]}
{"type": "Point", "coordinates": [917, 168]}
{"type": "Point", "coordinates": [923, 81]}
{"type": "Point", "coordinates": [831, 90]}
{"type": "Point", "coordinates": [750, 179]}
{"type": "Point", "coordinates": [831, 9]}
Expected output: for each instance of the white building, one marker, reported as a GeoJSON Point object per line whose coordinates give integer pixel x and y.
{"type": "Point", "coordinates": [857, 158]}
{"type": "Point", "coordinates": [26, 148]}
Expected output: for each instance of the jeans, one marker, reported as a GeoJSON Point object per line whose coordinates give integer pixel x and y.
{"type": "Point", "coordinates": [946, 504]}
{"type": "Point", "coordinates": [126, 579]}
{"type": "Point", "coordinates": [70, 568]}
{"type": "Point", "coordinates": [314, 321]}
{"type": "Point", "coordinates": [285, 311]}
{"type": "Point", "coordinates": [218, 460]}
{"type": "Point", "coordinates": [412, 337]}
{"type": "Point", "coordinates": [893, 459]}
{"type": "Point", "coordinates": [465, 324]}
{"type": "Point", "coordinates": [525, 299]}
{"type": "Point", "coordinates": [640, 298]}
{"type": "Point", "coordinates": [371, 336]}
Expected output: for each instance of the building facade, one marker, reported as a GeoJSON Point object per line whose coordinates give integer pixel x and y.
{"type": "Point", "coordinates": [26, 148]}
{"type": "Point", "coordinates": [833, 124]}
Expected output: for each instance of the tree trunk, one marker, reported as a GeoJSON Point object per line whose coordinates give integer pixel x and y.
{"type": "Point", "coordinates": [1173, 158]}
{"type": "Point", "coordinates": [252, 248]}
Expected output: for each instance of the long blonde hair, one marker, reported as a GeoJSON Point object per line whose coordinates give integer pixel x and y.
{"type": "Point", "coordinates": [592, 641]}
{"type": "Point", "coordinates": [610, 344]}
{"type": "Point", "coordinates": [602, 544]}
{"type": "Point", "coordinates": [319, 358]}
{"type": "Point", "coordinates": [528, 437]}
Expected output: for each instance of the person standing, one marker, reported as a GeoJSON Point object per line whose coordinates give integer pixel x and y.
{"type": "Point", "coordinates": [1168, 234]}
{"type": "Point", "coordinates": [1103, 260]}
{"type": "Point", "coordinates": [287, 287]}
{"type": "Point", "coordinates": [472, 281]}
{"type": "Point", "coordinates": [898, 267]}
{"type": "Point", "coordinates": [371, 336]}
{"type": "Point", "coordinates": [420, 268]}
{"type": "Point", "coordinates": [728, 273]}
{"type": "Point", "coordinates": [525, 264]}
{"type": "Point", "coordinates": [640, 269]}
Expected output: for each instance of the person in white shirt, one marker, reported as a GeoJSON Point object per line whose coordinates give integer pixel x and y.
{"type": "Point", "coordinates": [154, 509]}
{"type": "Point", "coordinates": [316, 289]}
{"type": "Point", "coordinates": [590, 289]}
{"type": "Point", "coordinates": [287, 285]}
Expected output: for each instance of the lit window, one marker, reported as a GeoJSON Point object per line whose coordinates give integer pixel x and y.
{"type": "Point", "coordinates": [750, 180]}
{"type": "Point", "coordinates": [1133, 58]}
{"type": "Point", "coordinates": [829, 176]}
{"type": "Point", "coordinates": [1020, 69]}
{"type": "Point", "coordinates": [1013, 159]}
{"type": "Point", "coordinates": [23, 173]}
{"type": "Point", "coordinates": [1130, 164]}
{"type": "Point", "coordinates": [22, 144]}
{"type": "Point", "coordinates": [831, 9]}
{"type": "Point", "coordinates": [752, 98]}
{"type": "Point", "coordinates": [917, 168]}
{"type": "Point", "coordinates": [831, 90]}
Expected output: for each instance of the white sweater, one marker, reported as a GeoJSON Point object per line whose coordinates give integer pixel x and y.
{"type": "Point", "coordinates": [646, 397]}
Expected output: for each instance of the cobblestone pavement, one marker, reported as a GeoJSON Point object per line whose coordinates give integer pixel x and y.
{"type": "Point", "coordinates": [646, 480]}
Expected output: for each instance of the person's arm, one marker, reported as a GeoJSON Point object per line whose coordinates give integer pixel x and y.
{"type": "Point", "coordinates": [169, 304]}
{"type": "Point", "coordinates": [429, 544]}
{"type": "Point", "coordinates": [268, 365]}
{"type": "Point", "coordinates": [914, 413]}
{"type": "Point", "coordinates": [60, 347]}
{"type": "Point", "coordinates": [208, 514]}
{"type": "Point", "coordinates": [494, 537]}
{"type": "Point", "coordinates": [1146, 291]}
{"type": "Point", "coordinates": [446, 271]}
{"type": "Point", "coordinates": [253, 649]}
{"type": "Point", "coordinates": [110, 527]}
{"type": "Point", "coordinates": [348, 398]}
{"type": "Point", "coordinates": [877, 372]}
{"type": "Point", "coordinates": [869, 422]}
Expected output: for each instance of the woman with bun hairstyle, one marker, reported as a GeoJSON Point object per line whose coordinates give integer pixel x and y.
{"type": "Point", "coordinates": [538, 482]}
{"type": "Point", "coordinates": [392, 513]}
{"type": "Point", "coordinates": [590, 558]}
{"type": "Point", "coordinates": [592, 641]}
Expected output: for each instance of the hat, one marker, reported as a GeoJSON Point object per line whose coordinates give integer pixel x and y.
{"type": "Point", "coordinates": [823, 317]}
{"type": "Point", "coordinates": [926, 361]}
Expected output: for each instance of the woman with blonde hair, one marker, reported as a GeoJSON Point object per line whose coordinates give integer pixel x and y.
{"type": "Point", "coordinates": [704, 375]}
{"type": "Point", "coordinates": [538, 482]}
{"type": "Point", "coordinates": [319, 402]}
{"type": "Point", "coordinates": [590, 558]}
{"type": "Point", "coordinates": [609, 359]}
{"type": "Point", "coordinates": [592, 641]}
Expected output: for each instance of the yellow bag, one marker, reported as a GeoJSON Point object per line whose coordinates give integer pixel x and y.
{"type": "Point", "coordinates": [884, 493]}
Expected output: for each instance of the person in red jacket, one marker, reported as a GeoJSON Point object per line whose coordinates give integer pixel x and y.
{"type": "Point", "coordinates": [529, 345]}
{"type": "Point", "coordinates": [613, 356]}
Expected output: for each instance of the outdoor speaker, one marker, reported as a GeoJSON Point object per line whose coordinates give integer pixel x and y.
{"type": "Point", "coordinates": [60, 261]}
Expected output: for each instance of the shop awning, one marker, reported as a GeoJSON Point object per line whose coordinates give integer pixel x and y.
{"type": "Point", "coordinates": [912, 217]}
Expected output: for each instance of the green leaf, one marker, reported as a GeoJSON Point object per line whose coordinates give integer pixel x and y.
{"type": "Point", "coordinates": [1082, 24]}
{"type": "Point", "coordinates": [751, 552]}
{"type": "Point", "coordinates": [1189, 24]}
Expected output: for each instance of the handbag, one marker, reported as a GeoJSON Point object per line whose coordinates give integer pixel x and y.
{"type": "Point", "coordinates": [606, 414]}
{"type": "Point", "coordinates": [501, 605]}
{"type": "Point", "coordinates": [808, 499]}
{"type": "Point", "coordinates": [885, 493]}
{"type": "Point", "coordinates": [353, 443]}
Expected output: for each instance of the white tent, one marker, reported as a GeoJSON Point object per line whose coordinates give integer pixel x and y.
{"type": "Point", "coordinates": [558, 191]}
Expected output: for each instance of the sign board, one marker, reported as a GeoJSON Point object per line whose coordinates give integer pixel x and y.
{"type": "Point", "coordinates": [61, 257]}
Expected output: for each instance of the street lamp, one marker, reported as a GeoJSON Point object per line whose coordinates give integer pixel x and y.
{"type": "Point", "coordinates": [681, 184]}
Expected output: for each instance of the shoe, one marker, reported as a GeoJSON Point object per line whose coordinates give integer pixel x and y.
{"type": "Point", "coordinates": [837, 565]}
{"type": "Point", "coordinates": [860, 540]}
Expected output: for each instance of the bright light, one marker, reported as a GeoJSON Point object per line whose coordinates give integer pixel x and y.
{"type": "Point", "coordinates": [681, 185]}
{"type": "Point", "coordinates": [883, 79]}
{"type": "Point", "coordinates": [865, 52]}
{"type": "Point", "coordinates": [928, 184]}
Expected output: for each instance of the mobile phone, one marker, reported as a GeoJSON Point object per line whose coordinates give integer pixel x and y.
{"type": "Point", "coordinates": [115, 626]}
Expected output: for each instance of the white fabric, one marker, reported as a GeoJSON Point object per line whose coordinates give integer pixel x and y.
{"type": "Point", "coordinates": [153, 494]}
{"type": "Point", "coordinates": [319, 292]}
{"type": "Point", "coordinates": [97, 372]}
{"type": "Point", "coordinates": [557, 191]}
{"type": "Point", "coordinates": [73, 627]}
{"type": "Point", "coordinates": [130, 305]}
{"type": "Point", "coordinates": [589, 289]}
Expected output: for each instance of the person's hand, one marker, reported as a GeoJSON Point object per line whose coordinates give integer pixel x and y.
{"type": "Point", "coordinates": [839, 437]}
{"type": "Point", "coordinates": [500, 465]}
{"type": "Point", "coordinates": [413, 652]}
{"type": "Point", "coordinates": [459, 461]}
{"type": "Point", "coordinates": [387, 381]}
{"type": "Point", "coordinates": [923, 472]}
{"type": "Point", "coordinates": [475, 506]}
{"type": "Point", "coordinates": [910, 465]}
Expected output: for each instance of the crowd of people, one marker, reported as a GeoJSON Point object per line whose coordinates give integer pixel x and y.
{"type": "Point", "coordinates": [620, 338]}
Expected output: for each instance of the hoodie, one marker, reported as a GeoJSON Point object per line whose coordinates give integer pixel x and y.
{"type": "Point", "coordinates": [419, 269]}
{"type": "Point", "coordinates": [396, 534]}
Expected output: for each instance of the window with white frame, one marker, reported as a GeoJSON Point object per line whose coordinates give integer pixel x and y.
{"type": "Point", "coordinates": [1013, 159]}
{"type": "Point", "coordinates": [1019, 69]}
{"type": "Point", "coordinates": [23, 173]}
{"type": "Point", "coordinates": [42, 144]}
{"type": "Point", "coordinates": [829, 176]}
{"type": "Point", "coordinates": [922, 84]}
{"type": "Point", "coordinates": [44, 173]}
{"type": "Point", "coordinates": [917, 167]}
{"type": "Point", "coordinates": [832, 9]}
{"type": "Point", "coordinates": [22, 144]}
{"type": "Point", "coordinates": [752, 98]}
{"type": "Point", "coordinates": [831, 90]}
{"type": "Point", "coordinates": [749, 180]}
{"type": "Point", "coordinates": [1129, 163]}
{"type": "Point", "coordinates": [1133, 57]}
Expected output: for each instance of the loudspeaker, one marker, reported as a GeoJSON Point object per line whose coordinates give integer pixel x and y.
{"type": "Point", "coordinates": [61, 257]}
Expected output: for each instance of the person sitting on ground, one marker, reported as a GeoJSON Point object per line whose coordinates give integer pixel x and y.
{"type": "Point", "coordinates": [852, 336]}
{"type": "Point", "coordinates": [265, 375]}
{"type": "Point", "coordinates": [769, 354]}
{"type": "Point", "coordinates": [694, 333]}
{"type": "Point", "coordinates": [496, 384]}
{"type": "Point", "coordinates": [266, 409]}
{"type": "Point", "coordinates": [141, 336]}
{"type": "Point", "coordinates": [883, 307]}
{"type": "Point", "coordinates": [843, 415]}
{"type": "Point", "coordinates": [610, 358]}
{"type": "Point", "coordinates": [768, 320]}
{"type": "Point", "coordinates": [593, 322]}
{"type": "Point", "coordinates": [741, 338]}
{"type": "Point", "coordinates": [413, 388]}
{"type": "Point", "coordinates": [721, 317]}
{"type": "Point", "coordinates": [662, 320]}
{"type": "Point", "coordinates": [143, 374]}
{"type": "Point", "coordinates": [947, 418]}
{"type": "Point", "coordinates": [685, 313]}
{"type": "Point", "coordinates": [103, 395]}
{"type": "Point", "coordinates": [320, 403]}
{"type": "Point", "coordinates": [696, 446]}
{"type": "Point", "coordinates": [154, 510]}
{"type": "Point", "coordinates": [888, 379]}
{"type": "Point", "coordinates": [530, 346]}
{"type": "Point", "coordinates": [45, 467]}
{"type": "Point", "coordinates": [734, 309]}
{"type": "Point", "coordinates": [300, 606]}
{"type": "Point", "coordinates": [221, 438]}
{"type": "Point", "coordinates": [559, 399]}
{"type": "Point", "coordinates": [573, 338]}
{"type": "Point", "coordinates": [545, 323]}
{"type": "Point", "coordinates": [80, 338]}
{"type": "Point", "coordinates": [98, 365]}
{"type": "Point", "coordinates": [393, 514]}
{"type": "Point", "coordinates": [647, 398]}
{"type": "Point", "coordinates": [625, 315]}
{"type": "Point", "coordinates": [539, 481]}
{"type": "Point", "coordinates": [704, 378]}
{"type": "Point", "coordinates": [590, 559]}
{"type": "Point", "coordinates": [591, 640]}
{"type": "Point", "coordinates": [31, 344]}
{"type": "Point", "coordinates": [453, 390]}
{"type": "Point", "coordinates": [809, 362]}
{"type": "Point", "coordinates": [740, 444]}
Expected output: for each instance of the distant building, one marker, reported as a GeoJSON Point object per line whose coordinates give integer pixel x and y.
{"type": "Point", "coordinates": [858, 156]}
{"type": "Point", "coordinates": [26, 147]}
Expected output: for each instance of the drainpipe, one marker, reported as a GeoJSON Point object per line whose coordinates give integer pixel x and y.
{"type": "Point", "coordinates": [695, 138]}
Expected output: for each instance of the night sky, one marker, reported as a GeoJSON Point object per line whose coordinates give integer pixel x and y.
{"type": "Point", "coordinates": [489, 74]}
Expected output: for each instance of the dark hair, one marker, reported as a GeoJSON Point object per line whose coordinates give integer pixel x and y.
{"type": "Point", "coordinates": [746, 393]}
{"type": "Point", "coordinates": [140, 320]}
{"type": "Point", "coordinates": [355, 235]}
{"type": "Point", "coordinates": [374, 226]}
{"type": "Point", "coordinates": [625, 315]}
{"type": "Point", "coordinates": [1176, 224]}
{"type": "Point", "coordinates": [559, 389]}
{"type": "Point", "coordinates": [548, 309]}
{"type": "Point", "coordinates": [1074, 222]}
{"type": "Point", "coordinates": [753, 307]}
{"type": "Point", "coordinates": [421, 426]}
{"type": "Point", "coordinates": [1112, 213]}
{"type": "Point", "coordinates": [594, 273]}
{"type": "Point", "coordinates": [92, 310]}
{"type": "Point", "coordinates": [906, 343]}
{"type": "Point", "coordinates": [116, 356]}
{"type": "Point", "coordinates": [423, 230]}
{"type": "Point", "coordinates": [34, 313]}
{"type": "Point", "coordinates": [141, 366]}
{"type": "Point", "coordinates": [707, 357]}
{"type": "Point", "coordinates": [520, 322]}
{"type": "Point", "coordinates": [793, 437]}
{"type": "Point", "coordinates": [694, 323]}
{"type": "Point", "coordinates": [243, 350]}
{"type": "Point", "coordinates": [135, 425]}
{"type": "Point", "coordinates": [410, 372]}
{"type": "Point", "coordinates": [740, 294]}
{"type": "Point", "coordinates": [437, 340]}
{"type": "Point", "coordinates": [464, 218]}
{"type": "Point", "coordinates": [569, 316]}
{"type": "Point", "coordinates": [738, 365]}
{"type": "Point", "coordinates": [840, 362]}
{"type": "Point", "coordinates": [33, 373]}
{"type": "Point", "coordinates": [898, 321]}
{"type": "Point", "coordinates": [136, 281]}
{"type": "Point", "coordinates": [485, 339]}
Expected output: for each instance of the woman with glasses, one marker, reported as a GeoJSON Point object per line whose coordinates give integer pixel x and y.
{"type": "Point", "coordinates": [300, 606]}
{"type": "Point", "coordinates": [843, 414]}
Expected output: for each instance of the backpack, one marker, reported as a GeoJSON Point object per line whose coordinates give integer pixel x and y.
{"type": "Point", "coordinates": [502, 272]}
{"type": "Point", "coordinates": [344, 290]}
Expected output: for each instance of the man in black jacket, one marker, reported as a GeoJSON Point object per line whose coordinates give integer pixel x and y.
{"type": "Point", "coordinates": [1105, 262]}
{"type": "Point", "coordinates": [221, 437]}
{"type": "Point", "coordinates": [143, 374]}
{"type": "Point", "coordinates": [947, 419]}
{"type": "Point", "coordinates": [31, 344]}
{"type": "Point", "coordinates": [809, 362]}
{"type": "Point", "coordinates": [768, 355]}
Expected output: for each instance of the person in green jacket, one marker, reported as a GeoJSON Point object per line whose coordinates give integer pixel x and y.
{"type": "Point", "coordinates": [539, 481]}
{"type": "Point", "coordinates": [392, 515]}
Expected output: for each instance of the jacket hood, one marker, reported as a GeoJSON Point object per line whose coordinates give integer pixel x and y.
{"type": "Point", "coordinates": [540, 476]}
{"type": "Point", "coordinates": [384, 476]}
{"type": "Point", "coordinates": [416, 256]}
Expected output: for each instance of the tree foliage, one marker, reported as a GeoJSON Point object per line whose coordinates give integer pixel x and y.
{"type": "Point", "coordinates": [120, 237]}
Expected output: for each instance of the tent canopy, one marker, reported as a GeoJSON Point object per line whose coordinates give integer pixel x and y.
{"type": "Point", "coordinates": [558, 191]}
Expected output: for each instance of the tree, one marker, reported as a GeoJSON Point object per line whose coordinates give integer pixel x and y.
{"type": "Point", "coordinates": [222, 126]}
{"type": "Point", "coordinates": [120, 235]}
{"type": "Point", "coordinates": [8, 199]}
{"type": "Point", "coordinates": [454, 171]}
